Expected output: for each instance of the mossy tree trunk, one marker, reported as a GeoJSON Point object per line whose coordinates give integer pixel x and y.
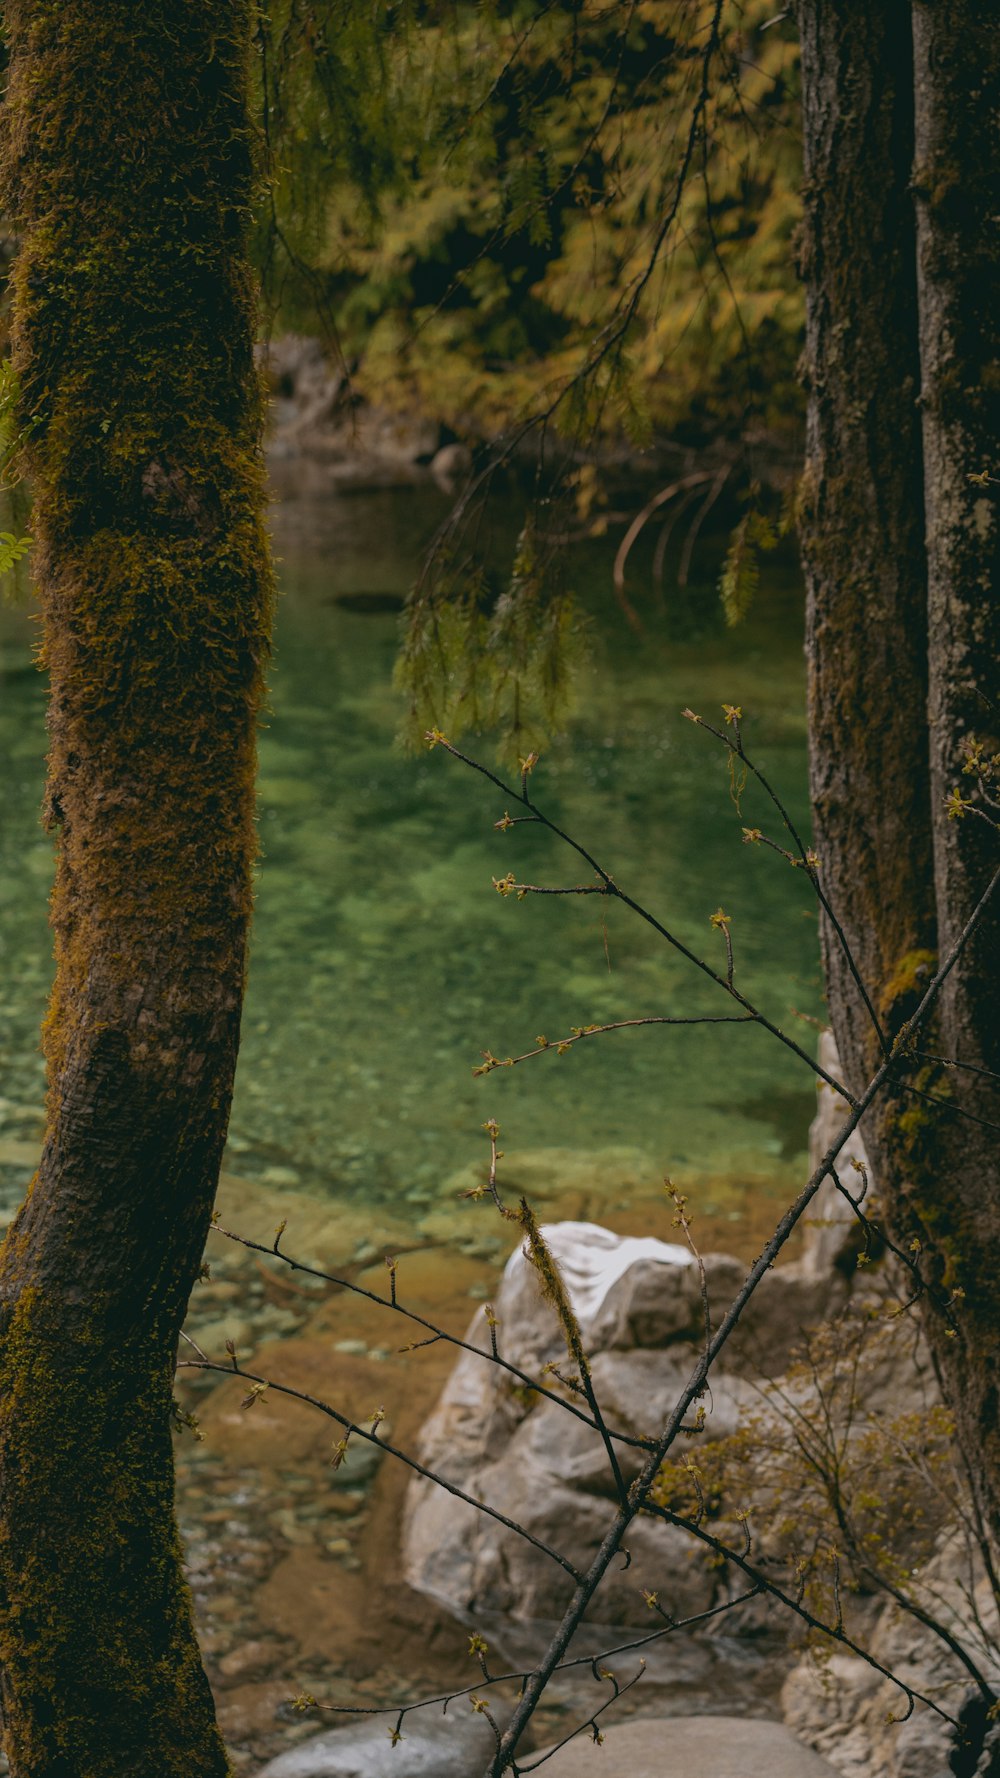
{"type": "Point", "coordinates": [127, 165]}
{"type": "Point", "coordinates": [901, 260]}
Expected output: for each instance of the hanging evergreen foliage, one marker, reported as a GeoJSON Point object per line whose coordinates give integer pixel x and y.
{"type": "Point", "coordinates": [470, 196]}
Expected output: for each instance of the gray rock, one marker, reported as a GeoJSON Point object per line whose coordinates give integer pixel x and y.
{"type": "Point", "coordinates": [689, 1747]}
{"type": "Point", "coordinates": [451, 464]}
{"type": "Point", "coordinates": [548, 1472]}
{"type": "Point", "coordinates": [212, 1335]}
{"type": "Point", "coordinates": [654, 1305]}
{"type": "Point", "coordinates": [471, 1563]}
{"type": "Point", "coordinates": [788, 1303]}
{"type": "Point", "coordinates": [595, 1264]}
{"type": "Point", "coordinates": [318, 422]}
{"type": "Point", "coordinates": [847, 1711]}
{"type": "Point", "coordinates": [458, 1745]}
{"type": "Point", "coordinates": [650, 1305]}
{"type": "Point", "coordinates": [833, 1233]}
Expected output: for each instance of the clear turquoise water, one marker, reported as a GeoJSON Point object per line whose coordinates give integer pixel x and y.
{"type": "Point", "coordinates": [384, 962]}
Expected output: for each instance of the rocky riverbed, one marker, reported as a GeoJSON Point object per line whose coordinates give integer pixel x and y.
{"type": "Point", "coordinates": [296, 1567]}
{"type": "Point", "coordinates": [301, 1586]}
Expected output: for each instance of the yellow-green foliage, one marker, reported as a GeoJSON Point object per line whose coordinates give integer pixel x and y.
{"type": "Point", "coordinates": [521, 210]}
{"type": "Point", "coordinates": [13, 547]}
{"type": "Point", "coordinates": [839, 1494]}
{"type": "Point", "coordinates": [552, 1285]}
{"type": "Point", "coordinates": [532, 156]}
{"type": "Point", "coordinates": [473, 659]}
{"type": "Point", "coordinates": [756, 533]}
{"type": "Point", "coordinates": [906, 987]}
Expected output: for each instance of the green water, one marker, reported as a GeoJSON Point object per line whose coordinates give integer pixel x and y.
{"type": "Point", "coordinates": [383, 960]}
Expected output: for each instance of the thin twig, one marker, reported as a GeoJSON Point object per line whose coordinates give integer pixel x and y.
{"type": "Point", "coordinates": [435, 738]}
{"type": "Point", "coordinates": [640, 1490]}
{"type": "Point", "coordinates": [836, 1632]}
{"type": "Point", "coordinates": [439, 1333]}
{"type": "Point", "coordinates": [807, 860]}
{"type": "Point", "coordinates": [353, 1430]}
{"type": "Point", "coordinates": [559, 1045]}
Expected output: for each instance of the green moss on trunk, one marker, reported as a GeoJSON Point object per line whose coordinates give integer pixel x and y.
{"type": "Point", "coordinates": [101, 1671]}
{"type": "Point", "coordinates": [127, 162]}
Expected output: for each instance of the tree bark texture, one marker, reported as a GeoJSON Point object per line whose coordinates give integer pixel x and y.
{"type": "Point", "coordinates": [956, 185]}
{"type": "Point", "coordinates": [127, 166]}
{"type": "Point", "coordinates": [861, 508]}
{"type": "Point", "coordinates": [900, 260]}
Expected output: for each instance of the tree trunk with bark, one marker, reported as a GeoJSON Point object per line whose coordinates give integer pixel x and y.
{"type": "Point", "coordinates": [127, 166]}
{"type": "Point", "coordinates": [861, 507]}
{"type": "Point", "coordinates": [957, 193]}
{"type": "Point", "coordinates": [901, 255]}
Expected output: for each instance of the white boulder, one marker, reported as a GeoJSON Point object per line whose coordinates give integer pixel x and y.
{"type": "Point", "coordinates": [546, 1470]}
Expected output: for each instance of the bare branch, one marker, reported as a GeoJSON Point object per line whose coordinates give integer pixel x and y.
{"type": "Point", "coordinates": [353, 1430]}
{"type": "Point", "coordinates": [435, 738]}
